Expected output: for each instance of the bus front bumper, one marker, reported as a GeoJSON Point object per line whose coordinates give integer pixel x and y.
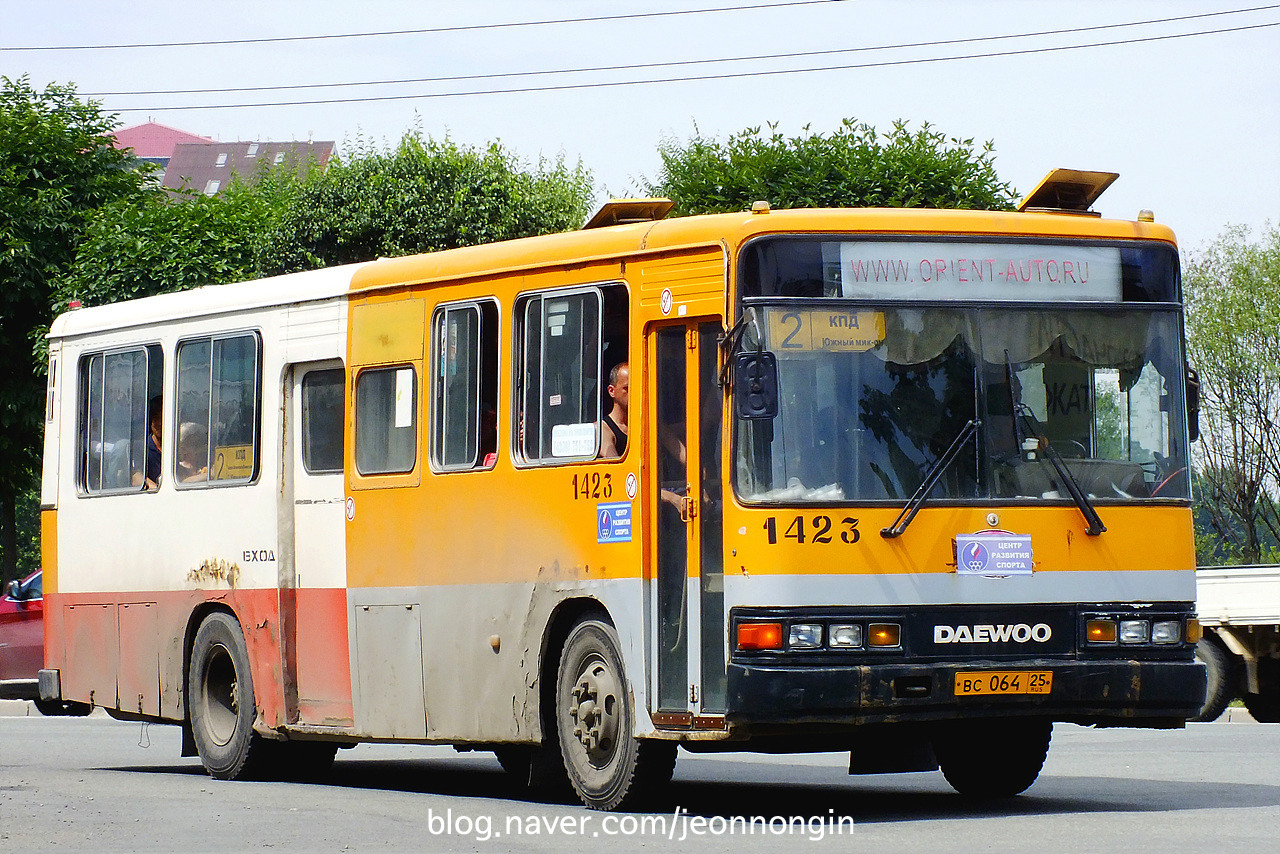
{"type": "Point", "coordinates": [1108, 692]}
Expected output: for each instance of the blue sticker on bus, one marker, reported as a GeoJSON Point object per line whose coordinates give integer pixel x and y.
{"type": "Point", "coordinates": [994, 553]}
{"type": "Point", "coordinates": [613, 522]}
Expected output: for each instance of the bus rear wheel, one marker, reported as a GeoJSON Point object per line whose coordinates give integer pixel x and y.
{"type": "Point", "coordinates": [220, 701]}
{"type": "Point", "coordinates": [608, 767]}
{"type": "Point", "coordinates": [990, 759]}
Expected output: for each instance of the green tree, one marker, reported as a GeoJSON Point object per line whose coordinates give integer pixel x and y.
{"type": "Point", "coordinates": [58, 168]}
{"type": "Point", "coordinates": [423, 196]}
{"type": "Point", "coordinates": [1233, 340]}
{"type": "Point", "coordinates": [855, 166]}
{"type": "Point", "coordinates": [161, 243]}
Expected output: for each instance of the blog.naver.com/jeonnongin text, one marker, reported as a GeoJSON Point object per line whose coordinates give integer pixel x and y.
{"type": "Point", "coordinates": [675, 826]}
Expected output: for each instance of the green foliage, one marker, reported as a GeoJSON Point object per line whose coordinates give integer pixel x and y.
{"type": "Point", "coordinates": [157, 244]}
{"type": "Point", "coordinates": [28, 538]}
{"type": "Point", "coordinates": [425, 195]}
{"type": "Point", "coordinates": [58, 168]}
{"type": "Point", "coordinates": [852, 167]}
{"type": "Point", "coordinates": [1108, 415]}
{"type": "Point", "coordinates": [1232, 295]}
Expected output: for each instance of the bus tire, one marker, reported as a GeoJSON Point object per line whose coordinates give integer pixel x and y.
{"type": "Point", "coordinates": [993, 758]}
{"type": "Point", "coordinates": [1222, 675]}
{"type": "Point", "coordinates": [220, 701]}
{"type": "Point", "coordinates": [607, 766]}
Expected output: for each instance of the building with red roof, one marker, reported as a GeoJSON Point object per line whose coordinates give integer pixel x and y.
{"type": "Point", "coordinates": [210, 168]}
{"type": "Point", "coordinates": [154, 143]}
{"type": "Point", "coordinates": [188, 161]}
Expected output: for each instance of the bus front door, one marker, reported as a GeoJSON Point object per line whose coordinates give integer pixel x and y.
{"type": "Point", "coordinates": [687, 589]}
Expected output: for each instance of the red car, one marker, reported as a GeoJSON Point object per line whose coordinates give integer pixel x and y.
{"type": "Point", "coordinates": [22, 645]}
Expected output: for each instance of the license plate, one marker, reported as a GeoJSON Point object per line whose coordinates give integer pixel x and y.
{"type": "Point", "coordinates": [1004, 682]}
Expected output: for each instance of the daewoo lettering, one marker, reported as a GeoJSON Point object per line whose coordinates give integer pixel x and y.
{"type": "Point", "coordinates": [1017, 633]}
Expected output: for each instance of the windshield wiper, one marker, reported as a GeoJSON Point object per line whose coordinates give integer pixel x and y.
{"type": "Point", "coordinates": [1022, 416]}
{"type": "Point", "coordinates": [731, 341]}
{"type": "Point", "coordinates": [931, 477]}
{"type": "Point", "coordinates": [1023, 412]}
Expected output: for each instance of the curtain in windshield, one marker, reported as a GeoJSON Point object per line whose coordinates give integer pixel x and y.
{"type": "Point", "coordinates": [864, 415]}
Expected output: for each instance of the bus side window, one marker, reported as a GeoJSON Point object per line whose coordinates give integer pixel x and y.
{"type": "Point", "coordinates": [323, 407]}
{"type": "Point", "coordinates": [115, 390]}
{"type": "Point", "coordinates": [218, 394]}
{"type": "Point", "coordinates": [561, 389]}
{"type": "Point", "coordinates": [464, 339]}
{"type": "Point", "coordinates": [386, 420]}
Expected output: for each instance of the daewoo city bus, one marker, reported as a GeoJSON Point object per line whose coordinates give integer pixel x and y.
{"type": "Point", "coordinates": [907, 483]}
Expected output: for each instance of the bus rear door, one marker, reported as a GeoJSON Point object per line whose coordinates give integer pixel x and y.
{"type": "Point", "coordinates": [313, 583]}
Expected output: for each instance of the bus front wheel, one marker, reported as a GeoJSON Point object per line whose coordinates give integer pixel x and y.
{"type": "Point", "coordinates": [993, 758]}
{"type": "Point", "coordinates": [608, 767]}
{"type": "Point", "coordinates": [220, 700]}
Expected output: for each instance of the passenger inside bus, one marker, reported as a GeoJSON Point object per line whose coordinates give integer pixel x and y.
{"type": "Point", "coordinates": [613, 426]}
{"type": "Point", "coordinates": [149, 477]}
{"type": "Point", "coordinates": [616, 401]}
{"type": "Point", "coordinates": [193, 453]}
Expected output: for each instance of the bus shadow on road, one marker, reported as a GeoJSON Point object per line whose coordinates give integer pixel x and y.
{"type": "Point", "coordinates": [865, 803]}
{"type": "Point", "coordinates": [865, 800]}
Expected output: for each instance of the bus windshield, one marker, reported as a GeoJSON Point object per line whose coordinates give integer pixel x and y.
{"type": "Point", "coordinates": [870, 397]}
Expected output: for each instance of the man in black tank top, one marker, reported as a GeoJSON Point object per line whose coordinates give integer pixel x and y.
{"type": "Point", "coordinates": [614, 429]}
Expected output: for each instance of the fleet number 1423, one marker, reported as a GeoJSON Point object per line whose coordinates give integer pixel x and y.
{"type": "Point", "coordinates": [812, 529]}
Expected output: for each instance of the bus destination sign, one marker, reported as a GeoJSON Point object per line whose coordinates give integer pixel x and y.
{"type": "Point", "coordinates": [821, 329]}
{"type": "Point", "coordinates": [979, 271]}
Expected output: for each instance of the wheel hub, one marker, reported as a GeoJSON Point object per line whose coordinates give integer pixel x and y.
{"type": "Point", "coordinates": [221, 697]}
{"type": "Point", "coordinates": [593, 708]}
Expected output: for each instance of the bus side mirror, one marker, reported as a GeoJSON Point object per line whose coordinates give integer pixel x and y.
{"type": "Point", "coordinates": [14, 591]}
{"type": "Point", "coordinates": [755, 385]}
{"type": "Point", "coordinates": [1193, 405]}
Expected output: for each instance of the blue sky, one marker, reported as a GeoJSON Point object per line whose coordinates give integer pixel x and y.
{"type": "Point", "coordinates": [1191, 124]}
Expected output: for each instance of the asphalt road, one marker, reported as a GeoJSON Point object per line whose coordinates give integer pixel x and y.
{"type": "Point", "coordinates": [96, 784]}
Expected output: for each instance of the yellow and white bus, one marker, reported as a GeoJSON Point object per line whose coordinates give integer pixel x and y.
{"type": "Point", "coordinates": [907, 483]}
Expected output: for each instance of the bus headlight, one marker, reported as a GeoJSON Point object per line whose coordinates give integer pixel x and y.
{"type": "Point", "coordinates": [844, 636]}
{"type": "Point", "coordinates": [1166, 631]}
{"type": "Point", "coordinates": [805, 636]}
{"type": "Point", "coordinates": [1135, 631]}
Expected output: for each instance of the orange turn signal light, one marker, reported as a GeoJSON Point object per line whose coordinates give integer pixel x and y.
{"type": "Point", "coordinates": [1100, 631]}
{"type": "Point", "coordinates": [884, 634]}
{"type": "Point", "coordinates": [1194, 632]}
{"type": "Point", "coordinates": [759, 635]}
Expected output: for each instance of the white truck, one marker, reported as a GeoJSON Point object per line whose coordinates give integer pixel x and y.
{"type": "Point", "coordinates": [1239, 608]}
